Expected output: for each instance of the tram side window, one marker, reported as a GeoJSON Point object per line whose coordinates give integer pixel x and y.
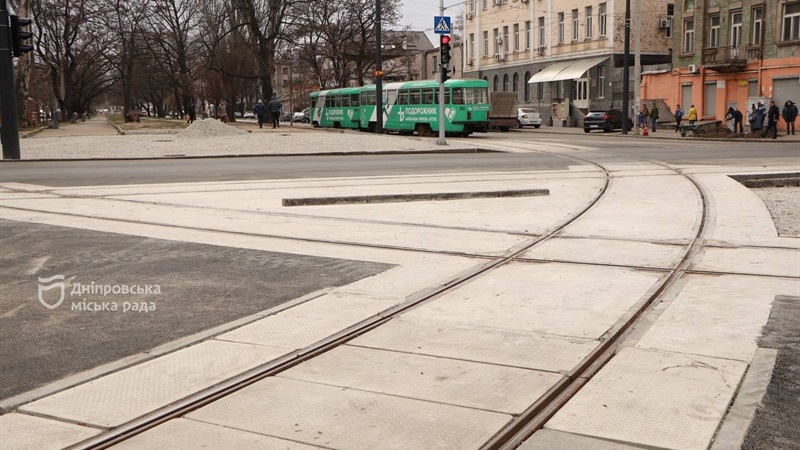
{"type": "Point", "coordinates": [354, 100]}
{"type": "Point", "coordinates": [402, 98]}
{"type": "Point", "coordinates": [458, 96]}
{"type": "Point", "coordinates": [373, 98]}
{"type": "Point", "coordinates": [364, 100]}
{"type": "Point", "coordinates": [427, 97]}
{"type": "Point", "coordinates": [328, 102]}
{"type": "Point", "coordinates": [345, 100]}
{"type": "Point", "coordinates": [414, 97]}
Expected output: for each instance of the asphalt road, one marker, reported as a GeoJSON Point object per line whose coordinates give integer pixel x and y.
{"type": "Point", "coordinates": [90, 173]}
{"type": "Point", "coordinates": [201, 286]}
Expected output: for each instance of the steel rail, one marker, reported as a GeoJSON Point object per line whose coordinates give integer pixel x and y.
{"type": "Point", "coordinates": [536, 416]}
{"type": "Point", "coordinates": [211, 394]}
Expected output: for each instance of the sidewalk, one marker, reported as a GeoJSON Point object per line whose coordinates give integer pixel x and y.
{"type": "Point", "coordinates": [96, 126]}
{"type": "Point", "coordinates": [665, 131]}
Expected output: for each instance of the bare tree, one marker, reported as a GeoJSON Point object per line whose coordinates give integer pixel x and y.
{"type": "Point", "coordinates": [72, 41]}
{"type": "Point", "coordinates": [126, 19]}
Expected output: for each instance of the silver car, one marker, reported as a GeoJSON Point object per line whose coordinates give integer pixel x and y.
{"type": "Point", "coordinates": [528, 117]}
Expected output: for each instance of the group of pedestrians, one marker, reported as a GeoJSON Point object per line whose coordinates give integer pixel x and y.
{"type": "Point", "coordinates": [756, 118]}
{"type": "Point", "coordinates": [274, 109]}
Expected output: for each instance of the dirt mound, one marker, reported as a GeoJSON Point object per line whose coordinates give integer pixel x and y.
{"type": "Point", "coordinates": [208, 128]}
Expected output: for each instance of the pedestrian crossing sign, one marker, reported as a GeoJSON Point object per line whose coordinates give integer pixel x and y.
{"type": "Point", "coordinates": [441, 24]}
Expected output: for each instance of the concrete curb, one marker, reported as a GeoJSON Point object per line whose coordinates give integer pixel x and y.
{"type": "Point", "coordinates": [32, 133]}
{"type": "Point", "coordinates": [768, 180]}
{"type": "Point", "coordinates": [736, 424]}
{"type": "Point", "coordinates": [675, 138]}
{"type": "Point", "coordinates": [116, 127]}
{"type": "Point", "coordinates": [317, 201]}
{"type": "Point", "coordinates": [267, 155]}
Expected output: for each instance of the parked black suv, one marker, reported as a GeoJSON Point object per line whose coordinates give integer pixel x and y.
{"type": "Point", "coordinates": [607, 121]}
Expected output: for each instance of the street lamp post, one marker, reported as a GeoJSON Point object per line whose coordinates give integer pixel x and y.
{"type": "Point", "coordinates": [626, 69]}
{"type": "Point", "coordinates": [378, 71]}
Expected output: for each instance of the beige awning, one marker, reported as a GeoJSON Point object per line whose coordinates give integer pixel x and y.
{"type": "Point", "coordinates": [568, 70]}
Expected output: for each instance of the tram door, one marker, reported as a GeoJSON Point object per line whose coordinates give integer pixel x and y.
{"type": "Point", "coordinates": [581, 93]}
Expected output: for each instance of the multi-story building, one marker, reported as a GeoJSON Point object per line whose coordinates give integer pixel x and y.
{"type": "Point", "coordinates": [563, 57]}
{"type": "Point", "coordinates": [731, 53]}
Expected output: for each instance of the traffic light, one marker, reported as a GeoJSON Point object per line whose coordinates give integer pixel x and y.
{"type": "Point", "coordinates": [18, 35]}
{"type": "Point", "coordinates": [444, 55]}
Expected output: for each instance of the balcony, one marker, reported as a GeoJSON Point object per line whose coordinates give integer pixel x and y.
{"type": "Point", "coordinates": [729, 59]}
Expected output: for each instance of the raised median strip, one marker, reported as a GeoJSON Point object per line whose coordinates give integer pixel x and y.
{"type": "Point", "coordinates": [397, 198]}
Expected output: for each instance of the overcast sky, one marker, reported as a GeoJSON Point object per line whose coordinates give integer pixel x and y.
{"type": "Point", "coordinates": [419, 14]}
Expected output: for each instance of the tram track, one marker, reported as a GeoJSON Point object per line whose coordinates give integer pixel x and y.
{"type": "Point", "coordinates": [523, 425]}
{"type": "Point", "coordinates": [207, 396]}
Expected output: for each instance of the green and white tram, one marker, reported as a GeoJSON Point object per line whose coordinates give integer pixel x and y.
{"type": "Point", "coordinates": [413, 106]}
{"type": "Point", "coordinates": [335, 108]}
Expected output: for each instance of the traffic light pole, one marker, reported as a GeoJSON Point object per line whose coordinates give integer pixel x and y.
{"type": "Point", "coordinates": [441, 140]}
{"type": "Point", "coordinates": [9, 131]}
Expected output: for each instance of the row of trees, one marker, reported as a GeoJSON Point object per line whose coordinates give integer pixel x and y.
{"type": "Point", "coordinates": [169, 53]}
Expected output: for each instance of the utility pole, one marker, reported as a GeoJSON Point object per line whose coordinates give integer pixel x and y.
{"type": "Point", "coordinates": [9, 131]}
{"type": "Point", "coordinates": [626, 69]}
{"type": "Point", "coordinates": [637, 63]}
{"type": "Point", "coordinates": [442, 72]}
{"type": "Point", "coordinates": [378, 71]}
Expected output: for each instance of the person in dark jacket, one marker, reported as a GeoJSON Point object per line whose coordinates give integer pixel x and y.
{"type": "Point", "coordinates": [260, 109]}
{"type": "Point", "coordinates": [653, 118]}
{"type": "Point", "coordinates": [735, 115]}
{"type": "Point", "coordinates": [773, 115]}
{"type": "Point", "coordinates": [678, 117]}
{"type": "Point", "coordinates": [275, 110]}
{"type": "Point", "coordinates": [789, 115]}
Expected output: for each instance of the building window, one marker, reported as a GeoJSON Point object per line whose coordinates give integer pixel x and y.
{"type": "Point", "coordinates": [601, 81]}
{"type": "Point", "coordinates": [602, 20]}
{"type": "Point", "coordinates": [516, 37]}
{"type": "Point", "coordinates": [528, 44]}
{"type": "Point", "coordinates": [791, 22]}
{"type": "Point", "coordinates": [736, 28]}
{"type": "Point", "coordinates": [527, 88]}
{"type": "Point", "coordinates": [435, 65]}
{"type": "Point", "coordinates": [485, 4]}
{"type": "Point", "coordinates": [505, 83]}
{"type": "Point", "coordinates": [496, 36]}
{"type": "Point", "coordinates": [540, 91]}
{"type": "Point", "coordinates": [496, 84]}
{"type": "Point", "coordinates": [588, 22]}
{"type": "Point", "coordinates": [709, 99]}
{"type": "Point", "coordinates": [688, 36]}
{"type": "Point", "coordinates": [472, 45]}
{"type": "Point", "coordinates": [505, 39]}
{"type": "Point", "coordinates": [515, 83]}
{"type": "Point", "coordinates": [541, 32]}
{"type": "Point", "coordinates": [688, 5]}
{"type": "Point", "coordinates": [756, 29]}
{"type": "Point", "coordinates": [561, 28]}
{"type": "Point", "coordinates": [713, 31]}
{"type": "Point", "coordinates": [472, 7]}
{"type": "Point", "coordinates": [485, 43]}
{"type": "Point", "coordinates": [752, 88]}
{"type": "Point", "coordinates": [574, 24]}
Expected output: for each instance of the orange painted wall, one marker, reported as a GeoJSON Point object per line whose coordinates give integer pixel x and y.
{"type": "Point", "coordinates": [667, 86]}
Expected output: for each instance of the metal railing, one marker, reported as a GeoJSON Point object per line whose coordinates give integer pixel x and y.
{"type": "Point", "coordinates": [730, 55]}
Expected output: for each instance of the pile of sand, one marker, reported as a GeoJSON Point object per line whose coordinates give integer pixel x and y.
{"type": "Point", "coordinates": [208, 128]}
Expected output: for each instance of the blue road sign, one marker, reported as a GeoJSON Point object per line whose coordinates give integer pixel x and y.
{"type": "Point", "coordinates": [441, 24]}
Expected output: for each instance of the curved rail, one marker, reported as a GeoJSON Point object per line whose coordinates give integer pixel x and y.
{"type": "Point", "coordinates": [285, 362]}
{"type": "Point", "coordinates": [535, 417]}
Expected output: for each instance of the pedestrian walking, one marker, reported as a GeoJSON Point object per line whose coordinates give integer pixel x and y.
{"type": "Point", "coordinates": [653, 118]}
{"type": "Point", "coordinates": [260, 109]}
{"type": "Point", "coordinates": [190, 112]}
{"type": "Point", "coordinates": [735, 115]}
{"type": "Point", "coordinates": [773, 115]}
{"type": "Point", "coordinates": [222, 111]}
{"type": "Point", "coordinates": [678, 118]}
{"type": "Point", "coordinates": [789, 115]}
{"type": "Point", "coordinates": [275, 110]}
{"type": "Point", "coordinates": [692, 116]}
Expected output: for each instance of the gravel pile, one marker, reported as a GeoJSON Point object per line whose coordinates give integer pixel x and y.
{"type": "Point", "coordinates": [784, 206]}
{"type": "Point", "coordinates": [240, 142]}
{"type": "Point", "coordinates": [207, 129]}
